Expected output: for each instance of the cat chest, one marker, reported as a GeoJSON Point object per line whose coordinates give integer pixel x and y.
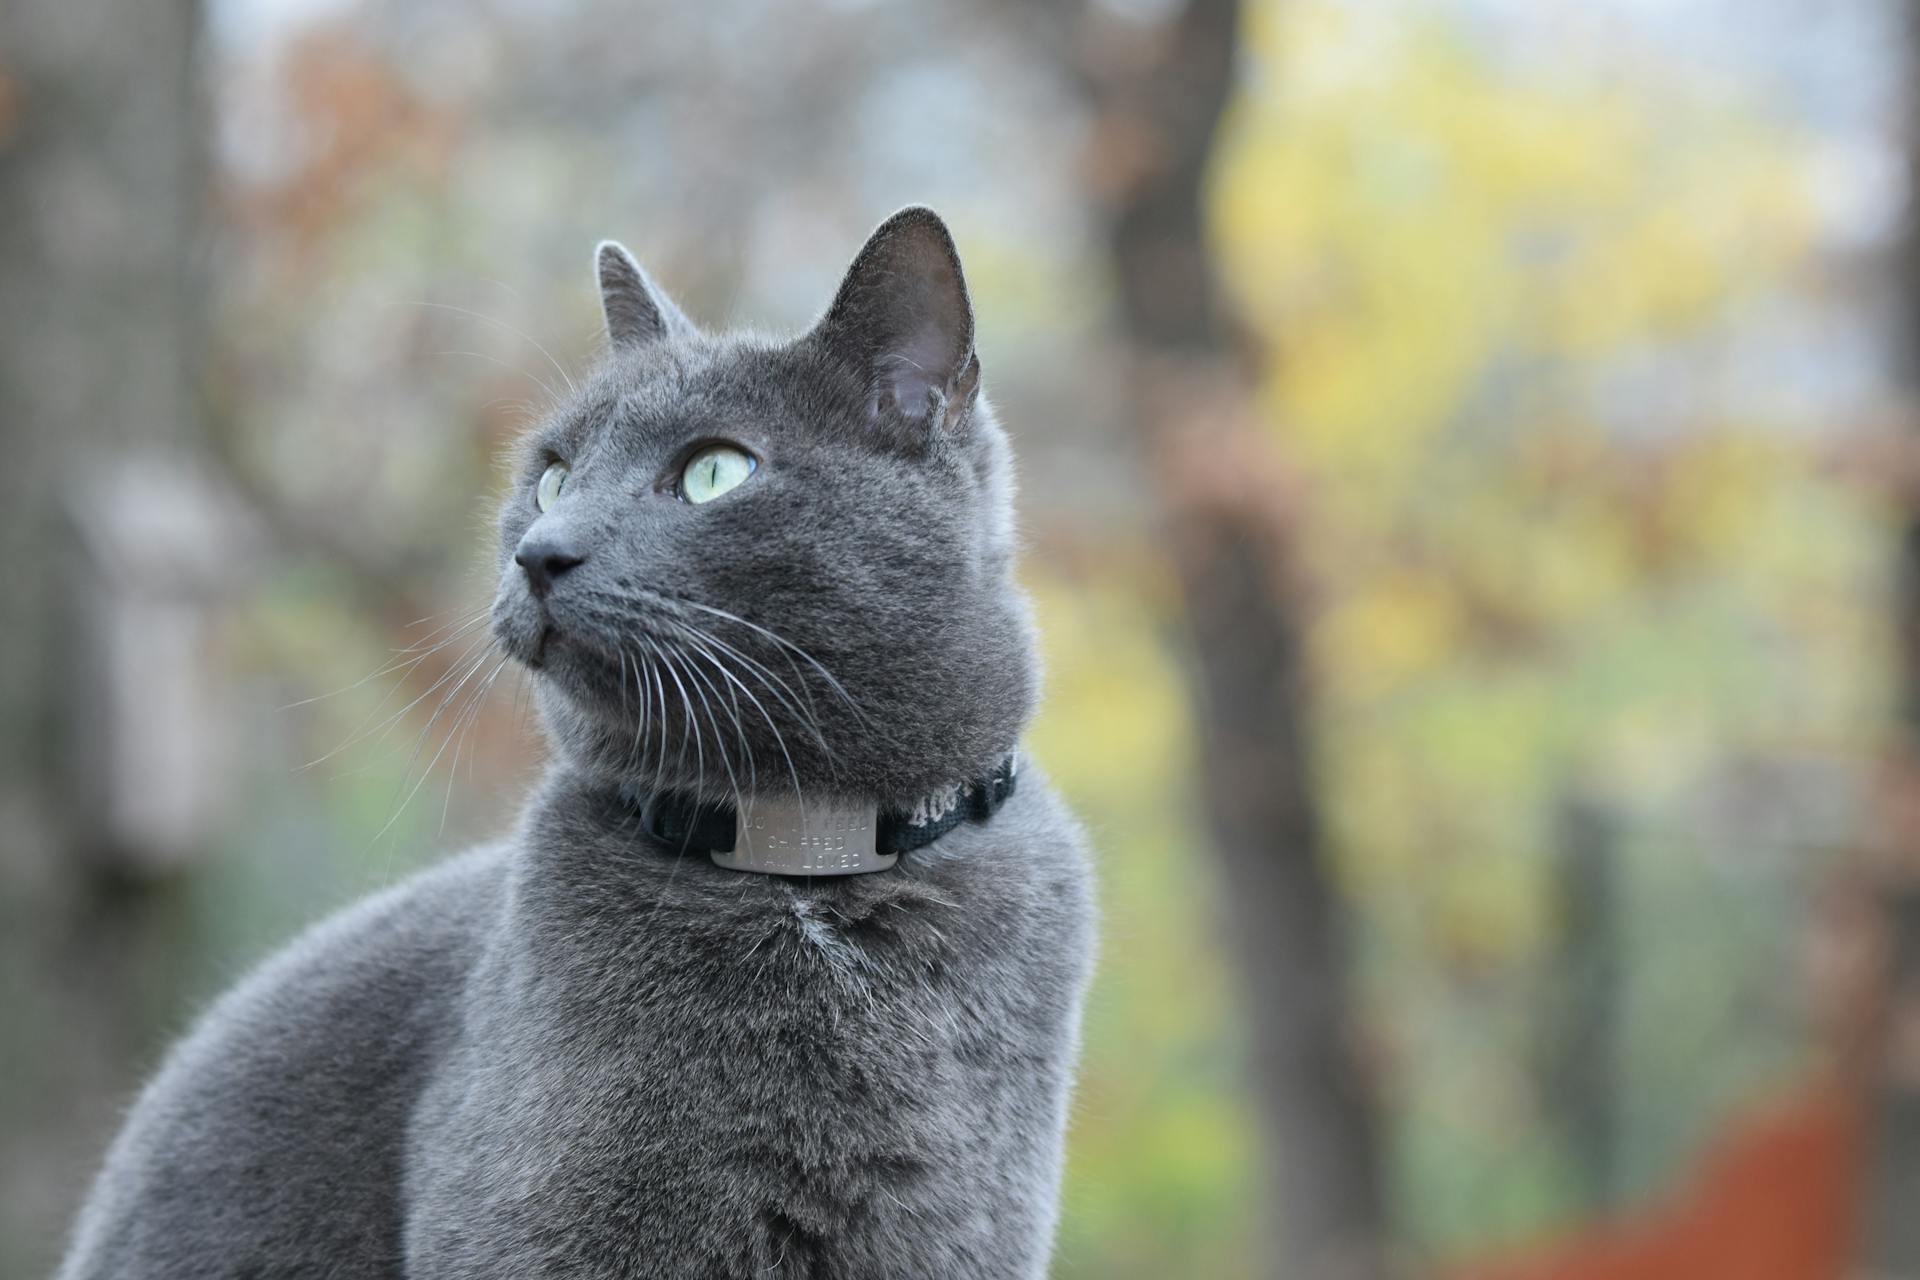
{"type": "Point", "coordinates": [747, 1096]}
{"type": "Point", "coordinates": [792, 1108]}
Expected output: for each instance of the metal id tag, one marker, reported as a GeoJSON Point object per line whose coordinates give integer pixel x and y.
{"type": "Point", "coordinates": [785, 836]}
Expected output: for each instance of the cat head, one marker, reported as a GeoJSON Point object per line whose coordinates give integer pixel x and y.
{"type": "Point", "coordinates": [731, 563]}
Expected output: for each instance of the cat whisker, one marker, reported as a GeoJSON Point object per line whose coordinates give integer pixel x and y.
{"type": "Point", "coordinates": [526, 410]}
{"type": "Point", "coordinates": [474, 612]}
{"type": "Point", "coordinates": [471, 669]}
{"type": "Point", "coordinates": [694, 683]}
{"type": "Point", "coordinates": [637, 754]}
{"type": "Point", "coordinates": [361, 733]}
{"type": "Point", "coordinates": [775, 686]}
{"type": "Point", "coordinates": [778, 737]}
{"type": "Point", "coordinates": [640, 718]}
{"type": "Point", "coordinates": [462, 727]}
{"type": "Point", "coordinates": [622, 655]}
{"type": "Point", "coordinates": [788, 649]}
{"type": "Point", "coordinates": [449, 699]}
{"type": "Point", "coordinates": [660, 695]}
{"type": "Point", "coordinates": [528, 374]}
{"type": "Point", "coordinates": [521, 702]}
{"type": "Point", "coordinates": [789, 646]}
{"type": "Point", "coordinates": [732, 704]}
{"type": "Point", "coordinates": [515, 330]}
{"type": "Point", "coordinates": [689, 722]}
{"type": "Point", "coordinates": [421, 651]}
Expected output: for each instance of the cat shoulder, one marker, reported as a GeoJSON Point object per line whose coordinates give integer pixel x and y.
{"type": "Point", "coordinates": [298, 1080]}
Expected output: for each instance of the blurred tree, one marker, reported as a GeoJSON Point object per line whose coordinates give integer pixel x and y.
{"type": "Point", "coordinates": [1561, 525]}
{"type": "Point", "coordinates": [1158, 90]}
{"type": "Point", "coordinates": [101, 194]}
{"type": "Point", "coordinates": [1890, 1229]}
{"type": "Point", "coordinates": [1579, 1076]}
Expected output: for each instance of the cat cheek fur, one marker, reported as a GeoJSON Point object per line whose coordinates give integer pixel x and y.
{"type": "Point", "coordinates": [578, 1053]}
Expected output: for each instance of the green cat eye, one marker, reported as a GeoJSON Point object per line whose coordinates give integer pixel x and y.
{"type": "Point", "coordinates": [714, 470]}
{"type": "Point", "coordinates": [552, 481]}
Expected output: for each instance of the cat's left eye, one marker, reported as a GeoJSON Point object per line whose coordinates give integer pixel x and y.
{"type": "Point", "coordinates": [713, 471]}
{"type": "Point", "coordinates": [552, 481]}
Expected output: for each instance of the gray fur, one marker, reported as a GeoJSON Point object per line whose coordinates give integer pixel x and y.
{"type": "Point", "coordinates": [578, 1054]}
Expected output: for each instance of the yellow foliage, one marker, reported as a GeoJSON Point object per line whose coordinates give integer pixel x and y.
{"type": "Point", "coordinates": [1550, 549]}
{"type": "Point", "coordinates": [1157, 1098]}
{"type": "Point", "coordinates": [1403, 627]}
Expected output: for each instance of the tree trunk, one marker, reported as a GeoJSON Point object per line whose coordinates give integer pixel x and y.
{"type": "Point", "coordinates": [1889, 1228]}
{"type": "Point", "coordinates": [101, 194]}
{"type": "Point", "coordinates": [1158, 98]}
{"type": "Point", "coordinates": [1579, 1063]}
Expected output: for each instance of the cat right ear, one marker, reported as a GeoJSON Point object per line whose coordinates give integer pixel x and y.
{"type": "Point", "coordinates": [903, 318]}
{"type": "Point", "coordinates": [637, 311]}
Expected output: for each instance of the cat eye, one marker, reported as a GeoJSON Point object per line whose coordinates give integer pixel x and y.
{"type": "Point", "coordinates": [552, 481]}
{"type": "Point", "coordinates": [713, 471]}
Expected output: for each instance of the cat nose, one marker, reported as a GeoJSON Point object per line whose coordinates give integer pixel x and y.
{"type": "Point", "coordinates": [545, 556]}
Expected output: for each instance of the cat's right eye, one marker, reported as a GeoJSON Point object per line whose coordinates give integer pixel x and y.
{"type": "Point", "coordinates": [552, 481]}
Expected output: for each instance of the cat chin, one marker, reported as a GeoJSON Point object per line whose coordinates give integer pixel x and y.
{"type": "Point", "coordinates": [519, 630]}
{"type": "Point", "coordinates": [579, 673]}
{"type": "Point", "coordinates": [552, 646]}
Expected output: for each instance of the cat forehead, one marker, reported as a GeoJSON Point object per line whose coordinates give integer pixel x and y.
{"type": "Point", "coordinates": [743, 383]}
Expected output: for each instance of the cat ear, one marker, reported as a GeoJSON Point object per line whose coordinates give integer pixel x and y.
{"type": "Point", "coordinates": [903, 317]}
{"type": "Point", "coordinates": [637, 310]}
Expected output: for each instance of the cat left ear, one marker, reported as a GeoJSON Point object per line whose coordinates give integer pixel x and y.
{"type": "Point", "coordinates": [637, 310]}
{"type": "Point", "coordinates": [903, 316]}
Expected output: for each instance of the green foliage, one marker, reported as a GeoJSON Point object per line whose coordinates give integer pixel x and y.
{"type": "Point", "coordinates": [1162, 1156]}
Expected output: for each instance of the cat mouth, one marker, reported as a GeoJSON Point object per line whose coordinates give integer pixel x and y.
{"type": "Point", "coordinates": [525, 633]}
{"type": "Point", "coordinates": [556, 647]}
{"type": "Point", "coordinates": [549, 645]}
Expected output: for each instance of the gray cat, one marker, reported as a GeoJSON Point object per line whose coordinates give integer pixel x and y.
{"type": "Point", "coordinates": [764, 591]}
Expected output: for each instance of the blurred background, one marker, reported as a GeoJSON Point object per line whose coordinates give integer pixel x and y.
{"type": "Point", "coordinates": [1471, 495]}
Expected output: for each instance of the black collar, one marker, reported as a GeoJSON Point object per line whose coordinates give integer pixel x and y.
{"type": "Point", "coordinates": [685, 825]}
